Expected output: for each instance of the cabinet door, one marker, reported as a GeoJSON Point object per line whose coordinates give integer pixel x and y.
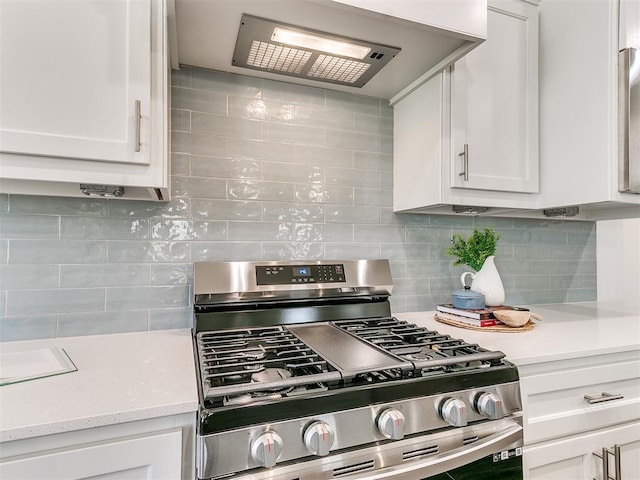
{"type": "Point", "coordinates": [151, 457]}
{"type": "Point", "coordinates": [573, 457]}
{"type": "Point", "coordinates": [494, 104]}
{"type": "Point", "coordinates": [75, 78]}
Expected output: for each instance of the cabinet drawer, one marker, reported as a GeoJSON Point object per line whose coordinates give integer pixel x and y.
{"type": "Point", "coordinates": [154, 456]}
{"type": "Point", "coordinates": [555, 403]}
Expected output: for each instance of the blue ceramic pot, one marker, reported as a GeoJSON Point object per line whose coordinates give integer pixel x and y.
{"type": "Point", "coordinates": [468, 299]}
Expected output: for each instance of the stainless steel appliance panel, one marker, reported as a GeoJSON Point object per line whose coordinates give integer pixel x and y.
{"type": "Point", "coordinates": [352, 428]}
{"type": "Point", "coordinates": [418, 458]}
{"type": "Point", "coordinates": [230, 277]}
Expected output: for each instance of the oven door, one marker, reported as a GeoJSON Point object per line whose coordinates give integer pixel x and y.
{"type": "Point", "coordinates": [480, 452]}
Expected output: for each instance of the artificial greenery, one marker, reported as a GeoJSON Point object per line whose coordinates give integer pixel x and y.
{"type": "Point", "coordinates": [474, 250]}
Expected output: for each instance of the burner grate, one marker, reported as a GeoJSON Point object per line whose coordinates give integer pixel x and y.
{"type": "Point", "coordinates": [426, 349]}
{"type": "Point", "coordinates": [243, 362]}
{"type": "Point", "coordinates": [224, 356]}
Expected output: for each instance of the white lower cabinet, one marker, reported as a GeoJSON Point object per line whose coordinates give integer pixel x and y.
{"type": "Point", "coordinates": [155, 456]}
{"type": "Point", "coordinates": [577, 407]}
{"type": "Point", "coordinates": [158, 449]}
{"type": "Point", "coordinates": [580, 456]}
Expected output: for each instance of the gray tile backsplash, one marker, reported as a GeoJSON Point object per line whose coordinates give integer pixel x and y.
{"type": "Point", "coordinates": [261, 170]}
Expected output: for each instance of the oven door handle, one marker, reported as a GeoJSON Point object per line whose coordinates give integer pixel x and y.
{"type": "Point", "coordinates": [448, 461]}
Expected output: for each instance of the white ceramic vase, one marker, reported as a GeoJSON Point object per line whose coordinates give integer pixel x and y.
{"type": "Point", "coordinates": [487, 281]}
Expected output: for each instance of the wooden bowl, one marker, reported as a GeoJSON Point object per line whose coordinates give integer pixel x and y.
{"type": "Point", "coordinates": [513, 318]}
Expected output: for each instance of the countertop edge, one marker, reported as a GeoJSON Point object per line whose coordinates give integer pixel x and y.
{"type": "Point", "coordinates": [63, 426]}
{"type": "Point", "coordinates": [522, 361]}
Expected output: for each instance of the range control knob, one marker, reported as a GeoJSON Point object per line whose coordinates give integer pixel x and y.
{"type": "Point", "coordinates": [318, 438]}
{"type": "Point", "coordinates": [266, 449]}
{"type": "Point", "coordinates": [489, 405]}
{"type": "Point", "coordinates": [391, 424]}
{"type": "Point", "coordinates": [454, 412]}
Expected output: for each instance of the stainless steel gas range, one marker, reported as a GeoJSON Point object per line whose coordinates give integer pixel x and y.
{"type": "Point", "coordinates": [304, 374]}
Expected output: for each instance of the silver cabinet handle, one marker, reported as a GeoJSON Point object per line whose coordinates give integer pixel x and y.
{"type": "Point", "coordinates": [605, 397]}
{"type": "Point", "coordinates": [465, 162]}
{"type": "Point", "coordinates": [628, 92]}
{"type": "Point", "coordinates": [138, 115]}
{"type": "Point", "coordinates": [616, 459]}
{"type": "Point", "coordinates": [605, 463]}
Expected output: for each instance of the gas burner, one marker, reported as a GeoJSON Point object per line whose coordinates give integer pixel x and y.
{"type": "Point", "coordinates": [270, 375]}
{"type": "Point", "coordinates": [260, 354]}
{"type": "Point", "coordinates": [247, 398]}
{"type": "Point", "coordinates": [425, 353]}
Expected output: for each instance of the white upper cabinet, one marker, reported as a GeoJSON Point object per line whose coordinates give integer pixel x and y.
{"type": "Point", "coordinates": [579, 130]}
{"type": "Point", "coordinates": [469, 136]}
{"type": "Point", "coordinates": [494, 105]}
{"type": "Point", "coordinates": [466, 17]}
{"type": "Point", "coordinates": [74, 75]}
{"type": "Point", "coordinates": [83, 89]}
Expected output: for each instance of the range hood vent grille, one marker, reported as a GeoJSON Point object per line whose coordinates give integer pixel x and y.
{"type": "Point", "coordinates": [338, 69]}
{"type": "Point", "coordinates": [255, 49]}
{"type": "Point", "coordinates": [267, 56]}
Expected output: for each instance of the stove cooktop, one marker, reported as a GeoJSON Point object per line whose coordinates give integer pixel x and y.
{"type": "Point", "coordinates": [267, 364]}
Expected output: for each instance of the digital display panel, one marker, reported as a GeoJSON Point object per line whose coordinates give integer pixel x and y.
{"type": "Point", "coordinates": [299, 274]}
{"type": "Point", "coordinates": [301, 271]}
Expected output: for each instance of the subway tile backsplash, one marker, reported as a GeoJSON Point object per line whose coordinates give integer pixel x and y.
{"type": "Point", "coordinates": [261, 170]}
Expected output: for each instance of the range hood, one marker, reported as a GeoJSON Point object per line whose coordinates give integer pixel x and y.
{"type": "Point", "coordinates": [276, 47]}
{"type": "Point", "coordinates": [409, 41]}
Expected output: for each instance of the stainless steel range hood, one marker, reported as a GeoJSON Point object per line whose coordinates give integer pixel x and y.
{"type": "Point", "coordinates": [275, 47]}
{"type": "Point", "coordinates": [426, 36]}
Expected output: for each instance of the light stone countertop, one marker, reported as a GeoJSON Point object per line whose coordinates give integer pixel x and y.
{"type": "Point", "coordinates": [568, 330]}
{"type": "Point", "coordinates": [137, 376]}
{"type": "Point", "coordinates": [120, 378]}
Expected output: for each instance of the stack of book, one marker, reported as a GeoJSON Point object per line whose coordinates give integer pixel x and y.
{"type": "Point", "coordinates": [476, 318]}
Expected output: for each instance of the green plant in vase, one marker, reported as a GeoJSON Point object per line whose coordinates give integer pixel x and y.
{"type": "Point", "coordinates": [478, 252]}
{"type": "Point", "coordinates": [473, 251]}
